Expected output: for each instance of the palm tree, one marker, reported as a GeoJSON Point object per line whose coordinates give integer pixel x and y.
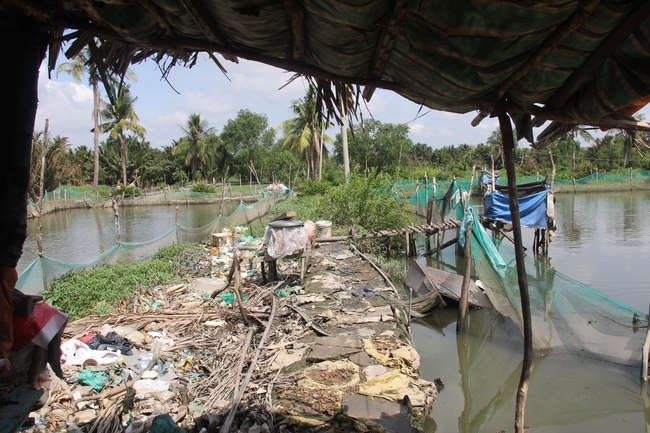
{"type": "Point", "coordinates": [302, 132]}
{"type": "Point", "coordinates": [77, 67]}
{"type": "Point", "coordinates": [121, 118]}
{"type": "Point", "coordinates": [196, 146]}
{"type": "Point", "coordinates": [52, 164]}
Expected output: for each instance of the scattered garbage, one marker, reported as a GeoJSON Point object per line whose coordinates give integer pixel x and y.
{"type": "Point", "coordinates": [96, 379]}
{"type": "Point", "coordinates": [112, 341]}
{"type": "Point", "coordinates": [190, 354]}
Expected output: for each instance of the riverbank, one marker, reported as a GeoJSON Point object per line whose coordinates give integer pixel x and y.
{"type": "Point", "coordinates": [53, 206]}
{"type": "Point", "coordinates": [332, 354]}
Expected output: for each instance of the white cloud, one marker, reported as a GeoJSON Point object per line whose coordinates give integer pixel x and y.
{"type": "Point", "coordinates": [68, 106]}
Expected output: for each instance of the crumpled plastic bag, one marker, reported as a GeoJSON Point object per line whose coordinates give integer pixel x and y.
{"type": "Point", "coordinates": [285, 241]}
{"type": "Point", "coordinates": [96, 379]}
{"type": "Point", "coordinates": [74, 352]}
{"type": "Point", "coordinates": [310, 230]}
{"type": "Point", "coordinates": [165, 424]}
{"type": "Point", "coordinates": [112, 341]}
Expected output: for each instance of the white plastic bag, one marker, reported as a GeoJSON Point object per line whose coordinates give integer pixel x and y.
{"type": "Point", "coordinates": [285, 241]}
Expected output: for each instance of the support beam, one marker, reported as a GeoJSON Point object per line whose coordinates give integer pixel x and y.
{"type": "Point", "coordinates": [527, 363]}
{"type": "Point", "coordinates": [297, 14]}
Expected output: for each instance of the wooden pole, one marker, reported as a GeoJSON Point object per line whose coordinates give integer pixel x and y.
{"type": "Point", "coordinates": [178, 234]}
{"type": "Point", "coordinates": [644, 358]}
{"type": "Point", "coordinates": [493, 180]}
{"type": "Point", "coordinates": [236, 260]}
{"type": "Point", "coordinates": [461, 323]}
{"type": "Point", "coordinates": [117, 222]}
{"type": "Point", "coordinates": [408, 244]}
{"type": "Point", "coordinates": [550, 154]}
{"type": "Point", "coordinates": [471, 182]}
{"type": "Point", "coordinates": [41, 183]}
{"type": "Point", "coordinates": [527, 363]}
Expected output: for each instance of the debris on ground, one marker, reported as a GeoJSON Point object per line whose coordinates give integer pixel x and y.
{"type": "Point", "coordinates": [324, 356]}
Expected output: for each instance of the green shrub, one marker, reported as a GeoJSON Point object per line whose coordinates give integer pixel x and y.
{"type": "Point", "coordinates": [368, 203]}
{"type": "Point", "coordinates": [308, 207]}
{"type": "Point", "coordinates": [312, 187]}
{"type": "Point", "coordinates": [96, 290]}
{"type": "Point", "coordinates": [169, 253]}
{"type": "Point", "coordinates": [203, 187]}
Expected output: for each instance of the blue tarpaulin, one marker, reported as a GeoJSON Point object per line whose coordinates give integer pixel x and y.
{"type": "Point", "coordinates": [532, 209]}
{"type": "Point", "coordinates": [486, 178]}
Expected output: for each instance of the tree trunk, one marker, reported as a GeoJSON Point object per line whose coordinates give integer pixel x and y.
{"type": "Point", "coordinates": [94, 80]}
{"type": "Point", "coordinates": [123, 157]}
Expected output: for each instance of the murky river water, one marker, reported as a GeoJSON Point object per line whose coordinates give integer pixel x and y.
{"type": "Point", "coordinates": [603, 241]}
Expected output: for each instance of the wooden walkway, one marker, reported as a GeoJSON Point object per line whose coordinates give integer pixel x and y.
{"type": "Point", "coordinates": [428, 229]}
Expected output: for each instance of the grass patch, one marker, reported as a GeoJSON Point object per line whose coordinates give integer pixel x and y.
{"type": "Point", "coordinates": [97, 290]}
{"type": "Point", "coordinates": [169, 253]}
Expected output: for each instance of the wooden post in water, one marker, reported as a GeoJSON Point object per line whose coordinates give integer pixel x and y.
{"type": "Point", "coordinates": [116, 214]}
{"type": "Point", "coordinates": [408, 244]}
{"type": "Point", "coordinates": [527, 363]}
{"type": "Point", "coordinates": [178, 235]}
{"type": "Point", "coordinates": [471, 182]}
{"type": "Point", "coordinates": [550, 154]}
{"type": "Point", "coordinates": [644, 357]}
{"type": "Point", "coordinates": [631, 181]}
{"type": "Point", "coordinates": [461, 323]}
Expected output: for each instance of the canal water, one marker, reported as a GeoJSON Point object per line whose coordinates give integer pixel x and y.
{"type": "Point", "coordinates": [603, 241]}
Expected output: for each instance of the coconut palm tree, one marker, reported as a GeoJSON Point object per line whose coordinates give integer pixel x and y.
{"type": "Point", "coordinates": [121, 118]}
{"type": "Point", "coordinates": [304, 131]}
{"type": "Point", "coordinates": [53, 161]}
{"type": "Point", "coordinates": [195, 147]}
{"type": "Point", "coordinates": [78, 67]}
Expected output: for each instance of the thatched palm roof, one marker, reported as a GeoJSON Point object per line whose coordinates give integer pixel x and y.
{"type": "Point", "coordinates": [576, 62]}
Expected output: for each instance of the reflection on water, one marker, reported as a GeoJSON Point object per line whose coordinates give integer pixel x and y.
{"type": "Point", "coordinates": [567, 393]}
{"type": "Point", "coordinates": [603, 240]}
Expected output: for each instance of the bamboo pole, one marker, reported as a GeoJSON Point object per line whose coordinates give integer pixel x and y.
{"type": "Point", "coordinates": [527, 363]}
{"type": "Point", "coordinates": [550, 154]}
{"type": "Point", "coordinates": [644, 359]}
{"type": "Point", "coordinates": [41, 185]}
{"type": "Point", "coordinates": [461, 323]}
{"type": "Point", "coordinates": [118, 231]}
{"type": "Point", "coordinates": [471, 182]}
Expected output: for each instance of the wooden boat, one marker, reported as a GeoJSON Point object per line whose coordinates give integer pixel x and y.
{"type": "Point", "coordinates": [426, 281]}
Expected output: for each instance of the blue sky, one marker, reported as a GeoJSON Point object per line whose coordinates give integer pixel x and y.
{"type": "Point", "coordinates": [254, 86]}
